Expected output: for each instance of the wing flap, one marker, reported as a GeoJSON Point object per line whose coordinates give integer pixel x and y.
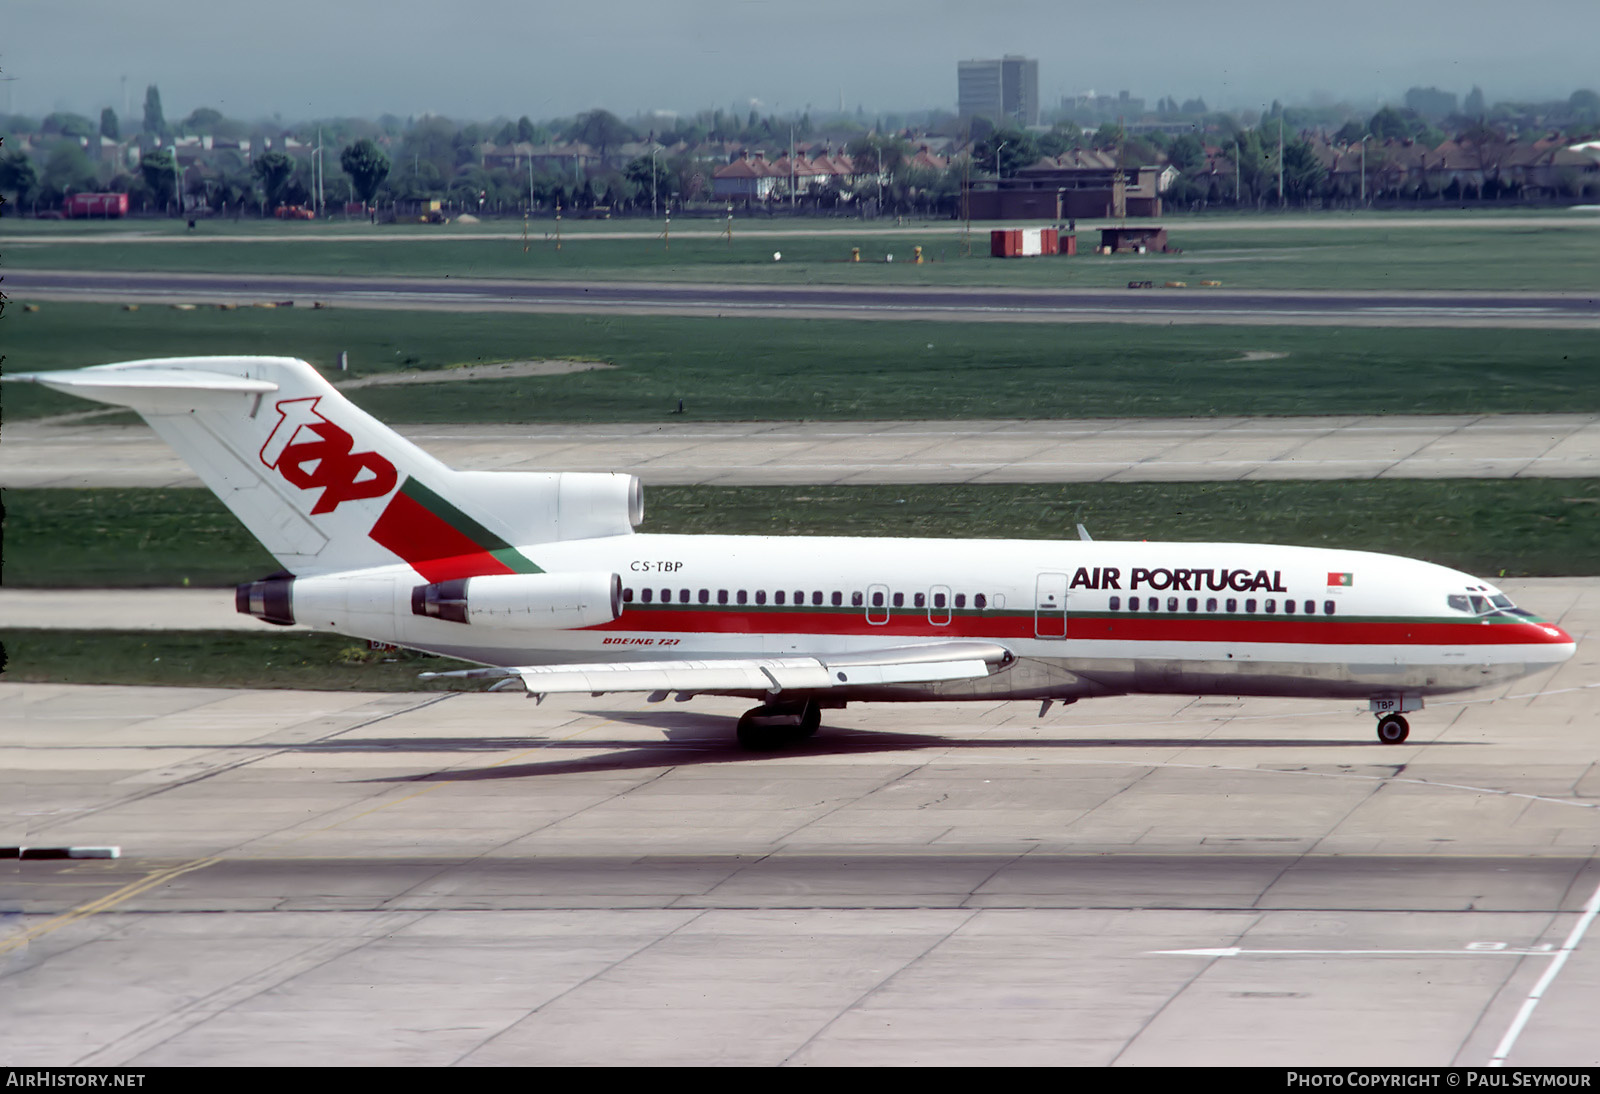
{"type": "Point", "coordinates": [908, 665]}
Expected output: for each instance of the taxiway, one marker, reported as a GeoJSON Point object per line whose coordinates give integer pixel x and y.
{"type": "Point", "coordinates": [1577, 309]}
{"type": "Point", "coordinates": [477, 879]}
{"type": "Point", "coordinates": [74, 452]}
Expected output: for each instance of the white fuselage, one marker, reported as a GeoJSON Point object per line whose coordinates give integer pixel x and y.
{"type": "Point", "coordinates": [1083, 618]}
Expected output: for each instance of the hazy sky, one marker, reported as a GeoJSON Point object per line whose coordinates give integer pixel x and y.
{"type": "Point", "coordinates": [480, 58]}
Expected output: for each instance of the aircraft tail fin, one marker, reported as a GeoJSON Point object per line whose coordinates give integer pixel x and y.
{"type": "Point", "coordinates": [325, 486]}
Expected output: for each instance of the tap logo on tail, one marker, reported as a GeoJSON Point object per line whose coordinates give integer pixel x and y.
{"type": "Point", "coordinates": [310, 452]}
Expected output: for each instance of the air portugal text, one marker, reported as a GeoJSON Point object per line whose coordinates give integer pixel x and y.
{"type": "Point", "coordinates": [1180, 579]}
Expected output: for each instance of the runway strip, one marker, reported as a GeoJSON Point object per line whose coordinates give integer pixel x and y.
{"type": "Point", "coordinates": [399, 879]}
{"type": "Point", "coordinates": [73, 452]}
{"type": "Point", "coordinates": [1534, 310]}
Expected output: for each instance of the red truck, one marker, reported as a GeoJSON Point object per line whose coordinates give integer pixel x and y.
{"type": "Point", "coordinates": [95, 205]}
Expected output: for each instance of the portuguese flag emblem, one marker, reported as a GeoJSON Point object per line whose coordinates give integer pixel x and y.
{"type": "Point", "coordinates": [1341, 579]}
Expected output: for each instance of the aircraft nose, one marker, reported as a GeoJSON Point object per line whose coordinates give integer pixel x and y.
{"type": "Point", "coordinates": [1555, 635]}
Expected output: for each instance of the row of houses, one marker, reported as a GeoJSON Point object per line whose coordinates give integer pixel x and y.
{"type": "Point", "coordinates": [1547, 166]}
{"type": "Point", "coordinates": [754, 178]}
{"type": "Point", "coordinates": [126, 154]}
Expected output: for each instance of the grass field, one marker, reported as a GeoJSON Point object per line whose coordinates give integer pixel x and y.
{"type": "Point", "coordinates": [218, 659]}
{"type": "Point", "coordinates": [111, 538]}
{"type": "Point", "coordinates": [763, 369]}
{"type": "Point", "coordinates": [1332, 251]}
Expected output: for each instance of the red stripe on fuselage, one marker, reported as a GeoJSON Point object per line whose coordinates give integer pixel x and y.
{"type": "Point", "coordinates": [433, 548]}
{"type": "Point", "coordinates": [1173, 628]}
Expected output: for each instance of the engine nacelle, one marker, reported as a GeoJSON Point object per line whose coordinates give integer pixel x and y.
{"type": "Point", "coordinates": [523, 601]}
{"type": "Point", "coordinates": [359, 602]}
{"type": "Point", "coordinates": [546, 506]}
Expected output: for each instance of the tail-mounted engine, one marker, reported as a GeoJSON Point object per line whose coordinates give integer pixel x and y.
{"type": "Point", "coordinates": [523, 601]}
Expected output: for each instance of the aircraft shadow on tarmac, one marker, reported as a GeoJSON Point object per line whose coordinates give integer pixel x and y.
{"type": "Point", "coordinates": [694, 739]}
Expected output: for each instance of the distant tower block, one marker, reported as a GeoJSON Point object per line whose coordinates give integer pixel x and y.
{"type": "Point", "coordinates": [1006, 90]}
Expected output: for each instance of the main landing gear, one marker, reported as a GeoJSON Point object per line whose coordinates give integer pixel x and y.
{"type": "Point", "coordinates": [1393, 729]}
{"type": "Point", "coordinates": [774, 725]}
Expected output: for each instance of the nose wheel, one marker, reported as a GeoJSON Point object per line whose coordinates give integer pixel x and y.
{"type": "Point", "coordinates": [1393, 729]}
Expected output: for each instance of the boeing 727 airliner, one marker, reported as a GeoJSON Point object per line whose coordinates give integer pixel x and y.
{"type": "Point", "coordinates": [541, 578]}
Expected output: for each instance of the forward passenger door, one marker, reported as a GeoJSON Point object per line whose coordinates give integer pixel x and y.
{"type": "Point", "coordinates": [1050, 606]}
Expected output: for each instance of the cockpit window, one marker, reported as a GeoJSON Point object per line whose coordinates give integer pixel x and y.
{"type": "Point", "coordinates": [1480, 605]}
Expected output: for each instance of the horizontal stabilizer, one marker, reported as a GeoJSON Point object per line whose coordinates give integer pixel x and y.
{"type": "Point", "coordinates": [773, 675]}
{"type": "Point", "coordinates": [112, 383]}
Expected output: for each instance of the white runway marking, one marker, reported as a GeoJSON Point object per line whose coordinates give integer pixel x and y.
{"type": "Point", "coordinates": [1531, 1003]}
{"type": "Point", "coordinates": [1473, 950]}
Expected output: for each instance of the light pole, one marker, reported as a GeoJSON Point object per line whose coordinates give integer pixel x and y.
{"type": "Point", "coordinates": [997, 148]}
{"type": "Point", "coordinates": [652, 179]}
{"type": "Point", "coordinates": [177, 181]}
{"type": "Point", "coordinates": [1364, 141]}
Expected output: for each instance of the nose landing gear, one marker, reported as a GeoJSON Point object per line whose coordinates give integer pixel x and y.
{"type": "Point", "coordinates": [774, 725]}
{"type": "Point", "coordinates": [1392, 725]}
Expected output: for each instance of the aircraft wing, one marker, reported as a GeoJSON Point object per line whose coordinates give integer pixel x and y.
{"type": "Point", "coordinates": [772, 675]}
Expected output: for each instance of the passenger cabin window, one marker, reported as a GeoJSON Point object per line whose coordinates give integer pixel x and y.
{"type": "Point", "coordinates": [979, 601]}
{"type": "Point", "coordinates": [683, 596]}
{"type": "Point", "coordinates": [1211, 603]}
{"type": "Point", "coordinates": [1271, 606]}
{"type": "Point", "coordinates": [961, 600]}
{"type": "Point", "coordinates": [778, 597]}
{"type": "Point", "coordinates": [1311, 607]}
{"type": "Point", "coordinates": [1327, 607]}
{"type": "Point", "coordinates": [1193, 604]}
{"type": "Point", "coordinates": [816, 597]}
{"type": "Point", "coordinates": [742, 597]}
{"type": "Point", "coordinates": [627, 596]}
{"type": "Point", "coordinates": [761, 596]}
{"type": "Point", "coordinates": [722, 596]}
{"type": "Point", "coordinates": [938, 600]}
{"type": "Point", "coordinates": [1288, 607]}
{"type": "Point", "coordinates": [645, 595]}
{"type": "Point", "coordinates": [1116, 603]}
{"type": "Point", "coordinates": [1250, 605]}
{"type": "Point", "coordinates": [1232, 604]}
{"type": "Point", "coordinates": [919, 600]}
{"type": "Point", "coordinates": [899, 600]}
{"type": "Point", "coordinates": [1172, 603]}
{"type": "Point", "coordinates": [877, 600]}
{"type": "Point", "coordinates": [705, 596]}
{"type": "Point", "coordinates": [836, 600]}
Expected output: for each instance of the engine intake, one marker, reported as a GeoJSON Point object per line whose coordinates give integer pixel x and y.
{"type": "Point", "coordinates": [537, 601]}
